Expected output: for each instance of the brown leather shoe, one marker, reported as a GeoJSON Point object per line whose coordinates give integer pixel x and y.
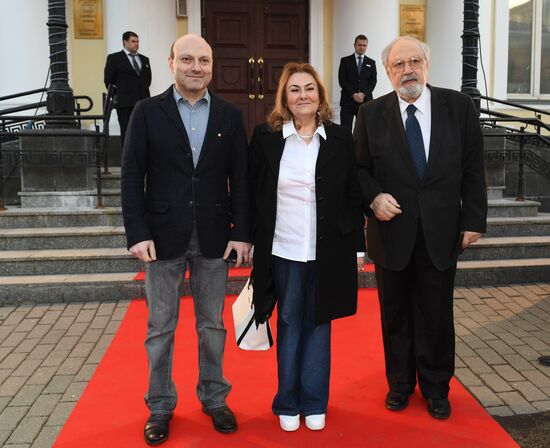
{"type": "Point", "coordinates": [396, 401]}
{"type": "Point", "coordinates": [439, 408]}
{"type": "Point", "coordinates": [156, 429]}
{"type": "Point", "coordinates": [223, 419]}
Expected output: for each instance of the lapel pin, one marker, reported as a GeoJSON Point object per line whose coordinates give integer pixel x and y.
{"type": "Point", "coordinates": [219, 135]}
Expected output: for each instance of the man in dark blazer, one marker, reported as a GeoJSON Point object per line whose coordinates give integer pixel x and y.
{"type": "Point", "coordinates": [185, 202]}
{"type": "Point", "coordinates": [130, 72]}
{"type": "Point", "coordinates": [421, 170]}
{"type": "Point", "coordinates": [357, 78]}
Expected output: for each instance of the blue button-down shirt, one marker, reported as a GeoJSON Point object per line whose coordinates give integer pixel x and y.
{"type": "Point", "coordinates": [195, 120]}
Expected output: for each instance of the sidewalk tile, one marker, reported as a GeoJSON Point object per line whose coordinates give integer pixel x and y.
{"type": "Point", "coordinates": [529, 391]}
{"type": "Point", "coordinates": [61, 413]}
{"type": "Point", "coordinates": [44, 405]}
{"type": "Point", "coordinates": [517, 403]}
{"type": "Point", "coordinates": [495, 382]}
{"type": "Point", "coordinates": [486, 396]}
{"type": "Point", "coordinates": [47, 435]}
{"type": "Point", "coordinates": [27, 395]}
{"type": "Point", "coordinates": [10, 417]}
{"type": "Point", "coordinates": [27, 430]}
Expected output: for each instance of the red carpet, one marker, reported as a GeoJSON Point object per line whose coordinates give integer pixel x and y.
{"type": "Point", "coordinates": [111, 412]}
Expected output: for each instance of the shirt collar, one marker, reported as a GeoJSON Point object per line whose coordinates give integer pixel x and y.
{"type": "Point", "coordinates": [421, 103]}
{"type": "Point", "coordinates": [178, 97]}
{"type": "Point", "coordinates": [127, 52]}
{"type": "Point", "coordinates": [359, 55]}
{"type": "Point", "coordinates": [289, 129]}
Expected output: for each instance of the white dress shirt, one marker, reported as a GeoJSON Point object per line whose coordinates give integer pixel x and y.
{"type": "Point", "coordinates": [296, 219]}
{"type": "Point", "coordinates": [423, 115]}
{"type": "Point", "coordinates": [138, 60]}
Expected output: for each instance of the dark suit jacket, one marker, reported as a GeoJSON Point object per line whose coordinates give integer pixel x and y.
{"type": "Point", "coordinates": [351, 82]}
{"type": "Point", "coordinates": [452, 196]}
{"type": "Point", "coordinates": [130, 87]}
{"type": "Point", "coordinates": [340, 219]}
{"type": "Point", "coordinates": [157, 158]}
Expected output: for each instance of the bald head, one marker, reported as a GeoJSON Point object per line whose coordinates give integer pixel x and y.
{"type": "Point", "coordinates": [191, 64]}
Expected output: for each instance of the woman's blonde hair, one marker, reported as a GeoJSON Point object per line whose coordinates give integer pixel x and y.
{"type": "Point", "coordinates": [281, 113]}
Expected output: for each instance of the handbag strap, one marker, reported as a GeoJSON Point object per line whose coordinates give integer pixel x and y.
{"type": "Point", "coordinates": [243, 334]}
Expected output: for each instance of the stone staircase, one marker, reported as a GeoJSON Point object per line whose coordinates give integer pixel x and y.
{"type": "Point", "coordinates": [52, 254]}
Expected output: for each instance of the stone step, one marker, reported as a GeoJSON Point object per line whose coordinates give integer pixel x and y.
{"type": "Point", "coordinates": [508, 207]}
{"type": "Point", "coordinates": [111, 180]}
{"type": "Point", "coordinates": [502, 248]}
{"type": "Point", "coordinates": [495, 192]}
{"type": "Point", "coordinates": [67, 261]}
{"type": "Point", "coordinates": [519, 226]}
{"type": "Point", "coordinates": [62, 238]}
{"type": "Point", "coordinates": [17, 217]}
{"type": "Point", "coordinates": [69, 288]}
{"type": "Point", "coordinates": [503, 272]}
{"type": "Point", "coordinates": [69, 199]}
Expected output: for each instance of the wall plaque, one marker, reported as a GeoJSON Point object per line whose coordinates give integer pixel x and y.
{"type": "Point", "coordinates": [88, 19]}
{"type": "Point", "coordinates": [412, 21]}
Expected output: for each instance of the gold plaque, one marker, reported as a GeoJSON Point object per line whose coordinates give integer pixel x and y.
{"type": "Point", "coordinates": [88, 19]}
{"type": "Point", "coordinates": [412, 20]}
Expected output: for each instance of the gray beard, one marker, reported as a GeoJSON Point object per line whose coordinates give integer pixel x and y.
{"type": "Point", "coordinates": [411, 92]}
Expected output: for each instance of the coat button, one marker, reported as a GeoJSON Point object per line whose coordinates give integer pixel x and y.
{"type": "Point", "coordinates": [321, 198]}
{"type": "Point", "coordinates": [319, 178]}
{"type": "Point", "coordinates": [190, 203]}
{"type": "Point", "coordinates": [321, 238]}
{"type": "Point", "coordinates": [188, 155]}
{"type": "Point", "coordinates": [321, 218]}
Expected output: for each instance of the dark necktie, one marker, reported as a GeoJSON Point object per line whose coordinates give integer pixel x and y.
{"type": "Point", "coordinates": [416, 143]}
{"type": "Point", "coordinates": [359, 64]}
{"type": "Point", "coordinates": [134, 63]}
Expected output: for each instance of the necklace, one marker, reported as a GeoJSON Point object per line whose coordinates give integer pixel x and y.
{"type": "Point", "coordinates": [305, 136]}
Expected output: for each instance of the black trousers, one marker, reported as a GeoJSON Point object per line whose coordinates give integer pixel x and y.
{"type": "Point", "coordinates": [416, 307]}
{"type": "Point", "coordinates": [346, 115]}
{"type": "Point", "coordinates": [123, 114]}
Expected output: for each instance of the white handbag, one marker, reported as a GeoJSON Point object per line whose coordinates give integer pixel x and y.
{"type": "Point", "coordinates": [248, 335]}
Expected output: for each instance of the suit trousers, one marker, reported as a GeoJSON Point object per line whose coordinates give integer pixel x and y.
{"type": "Point", "coordinates": [164, 286]}
{"type": "Point", "coordinates": [416, 307]}
{"type": "Point", "coordinates": [123, 114]}
{"type": "Point", "coordinates": [303, 349]}
{"type": "Point", "coordinates": [346, 115]}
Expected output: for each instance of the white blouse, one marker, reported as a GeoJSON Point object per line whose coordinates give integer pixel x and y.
{"type": "Point", "coordinates": [296, 220]}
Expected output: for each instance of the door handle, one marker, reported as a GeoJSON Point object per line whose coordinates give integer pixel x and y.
{"type": "Point", "coordinates": [260, 78]}
{"type": "Point", "coordinates": [251, 95]}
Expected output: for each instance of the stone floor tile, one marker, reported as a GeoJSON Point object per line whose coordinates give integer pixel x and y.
{"type": "Point", "coordinates": [58, 384]}
{"type": "Point", "coordinates": [27, 395]}
{"type": "Point", "coordinates": [86, 372]}
{"type": "Point", "coordinates": [27, 367]}
{"type": "Point", "coordinates": [477, 365]}
{"type": "Point", "coordinates": [38, 311]}
{"type": "Point", "coordinates": [518, 362]}
{"type": "Point", "coordinates": [61, 413]}
{"type": "Point", "coordinates": [71, 366]}
{"type": "Point", "coordinates": [529, 391]}
{"type": "Point", "coordinates": [42, 375]}
{"type": "Point", "coordinates": [50, 317]}
{"type": "Point", "coordinates": [11, 386]}
{"type": "Point", "coordinates": [77, 329]}
{"type": "Point", "coordinates": [517, 403]}
{"type": "Point", "coordinates": [495, 382]}
{"type": "Point", "coordinates": [486, 396]}
{"type": "Point", "coordinates": [500, 411]}
{"type": "Point", "coordinates": [74, 391]}
{"type": "Point", "coordinates": [26, 346]}
{"type": "Point", "coordinates": [467, 377]}
{"type": "Point", "coordinates": [44, 405]}
{"type": "Point", "coordinates": [11, 416]}
{"type": "Point", "coordinates": [39, 331]}
{"type": "Point", "coordinates": [72, 310]}
{"type": "Point", "coordinates": [47, 436]}
{"type": "Point", "coordinates": [542, 406]}
{"type": "Point", "coordinates": [509, 373]}
{"type": "Point", "coordinates": [14, 339]}
{"type": "Point", "coordinates": [53, 336]}
{"type": "Point", "coordinates": [490, 356]}
{"type": "Point", "coordinates": [67, 343]}
{"type": "Point", "coordinates": [13, 360]}
{"type": "Point", "coordinates": [27, 430]}
{"type": "Point", "coordinates": [86, 315]}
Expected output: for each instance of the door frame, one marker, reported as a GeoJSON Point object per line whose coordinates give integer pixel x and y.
{"type": "Point", "coordinates": [316, 46]}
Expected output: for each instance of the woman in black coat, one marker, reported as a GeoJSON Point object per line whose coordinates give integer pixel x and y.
{"type": "Point", "coordinates": [307, 230]}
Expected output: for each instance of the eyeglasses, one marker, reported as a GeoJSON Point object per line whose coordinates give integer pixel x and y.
{"type": "Point", "coordinates": [414, 63]}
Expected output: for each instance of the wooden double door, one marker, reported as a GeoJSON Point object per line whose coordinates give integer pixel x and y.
{"type": "Point", "coordinates": [252, 40]}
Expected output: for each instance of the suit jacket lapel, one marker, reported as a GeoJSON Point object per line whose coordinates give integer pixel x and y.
{"type": "Point", "coordinates": [126, 61]}
{"type": "Point", "coordinates": [171, 109]}
{"type": "Point", "coordinates": [437, 136]}
{"type": "Point", "coordinates": [327, 149]}
{"type": "Point", "coordinates": [213, 120]}
{"type": "Point", "coordinates": [274, 151]}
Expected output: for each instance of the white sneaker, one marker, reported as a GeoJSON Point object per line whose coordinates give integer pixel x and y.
{"type": "Point", "coordinates": [289, 422]}
{"type": "Point", "coordinates": [315, 422]}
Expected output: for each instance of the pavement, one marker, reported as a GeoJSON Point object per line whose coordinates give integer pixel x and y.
{"type": "Point", "coordinates": [49, 352]}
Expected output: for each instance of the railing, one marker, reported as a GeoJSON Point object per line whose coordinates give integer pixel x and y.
{"type": "Point", "coordinates": [524, 130]}
{"type": "Point", "coordinates": [16, 126]}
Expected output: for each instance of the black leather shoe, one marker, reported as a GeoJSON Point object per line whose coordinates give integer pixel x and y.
{"type": "Point", "coordinates": [396, 401]}
{"type": "Point", "coordinates": [223, 419]}
{"type": "Point", "coordinates": [156, 429]}
{"type": "Point", "coordinates": [439, 408]}
{"type": "Point", "coordinates": [545, 360]}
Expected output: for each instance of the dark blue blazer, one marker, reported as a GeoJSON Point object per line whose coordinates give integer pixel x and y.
{"type": "Point", "coordinates": [164, 195]}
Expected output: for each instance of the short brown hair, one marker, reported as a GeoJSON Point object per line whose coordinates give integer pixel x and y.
{"type": "Point", "coordinates": [281, 113]}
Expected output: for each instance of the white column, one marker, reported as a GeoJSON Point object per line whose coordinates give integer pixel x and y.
{"type": "Point", "coordinates": [444, 20]}
{"type": "Point", "coordinates": [24, 49]}
{"type": "Point", "coordinates": [154, 21]}
{"type": "Point", "coordinates": [377, 20]}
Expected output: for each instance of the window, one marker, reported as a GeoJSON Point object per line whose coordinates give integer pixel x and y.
{"type": "Point", "coordinates": [529, 49]}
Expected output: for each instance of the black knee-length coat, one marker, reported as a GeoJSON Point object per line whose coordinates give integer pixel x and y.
{"type": "Point", "coordinates": [340, 220]}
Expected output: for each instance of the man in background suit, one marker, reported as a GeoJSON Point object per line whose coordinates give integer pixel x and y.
{"type": "Point", "coordinates": [357, 78]}
{"type": "Point", "coordinates": [421, 170]}
{"type": "Point", "coordinates": [130, 72]}
{"type": "Point", "coordinates": [186, 149]}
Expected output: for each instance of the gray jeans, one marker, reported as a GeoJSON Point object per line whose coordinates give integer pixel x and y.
{"type": "Point", "coordinates": [164, 286]}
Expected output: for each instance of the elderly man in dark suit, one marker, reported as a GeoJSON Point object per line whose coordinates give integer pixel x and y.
{"type": "Point", "coordinates": [357, 78]}
{"type": "Point", "coordinates": [421, 170]}
{"type": "Point", "coordinates": [186, 149]}
{"type": "Point", "coordinates": [130, 72]}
